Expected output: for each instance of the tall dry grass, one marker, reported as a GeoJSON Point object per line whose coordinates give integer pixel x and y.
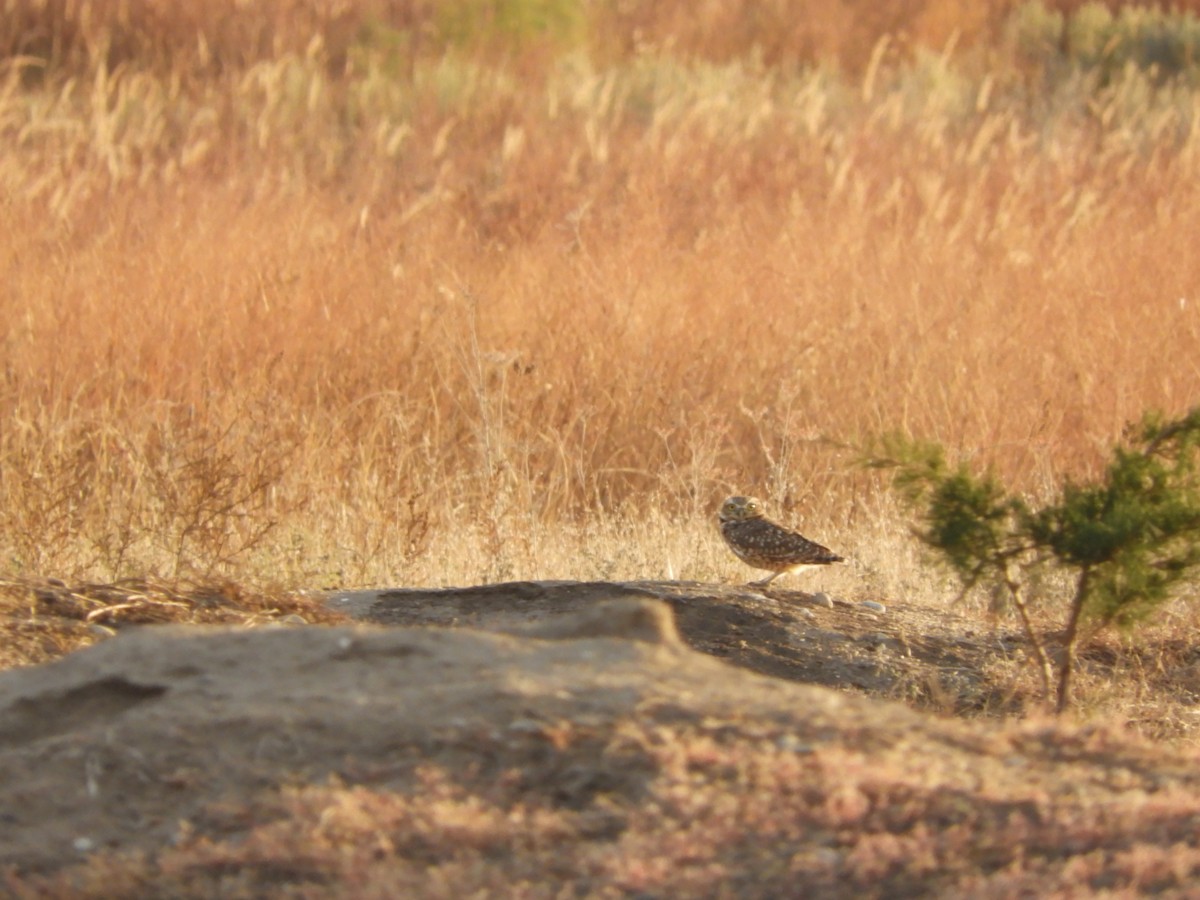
{"type": "Point", "coordinates": [392, 304]}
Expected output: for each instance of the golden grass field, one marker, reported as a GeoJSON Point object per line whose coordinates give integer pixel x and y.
{"type": "Point", "coordinates": [307, 295]}
{"type": "Point", "coordinates": [390, 293]}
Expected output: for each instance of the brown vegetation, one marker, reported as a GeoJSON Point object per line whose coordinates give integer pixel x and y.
{"type": "Point", "coordinates": [312, 294]}
{"type": "Point", "coordinates": [316, 318]}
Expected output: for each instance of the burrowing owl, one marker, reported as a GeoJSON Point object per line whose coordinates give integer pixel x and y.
{"type": "Point", "coordinates": [760, 543]}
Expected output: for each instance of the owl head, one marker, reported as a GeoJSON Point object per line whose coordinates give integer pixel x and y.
{"type": "Point", "coordinates": [739, 509]}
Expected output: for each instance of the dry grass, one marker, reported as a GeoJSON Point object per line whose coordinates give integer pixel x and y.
{"type": "Point", "coordinates": [425, 302]}
{"type": "Point", "coordinates": [41, 621]}
{"type": "Point", "coordinates": [405, 303]}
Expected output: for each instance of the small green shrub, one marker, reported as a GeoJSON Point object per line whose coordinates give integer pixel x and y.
{"type": "Point", "coordinates": [1128, 540]}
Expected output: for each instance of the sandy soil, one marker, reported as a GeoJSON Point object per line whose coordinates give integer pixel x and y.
{"type": "Point", "coordinates": [147, 740]}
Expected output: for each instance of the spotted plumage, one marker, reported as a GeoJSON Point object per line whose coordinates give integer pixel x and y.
{"type": "Point", "coordinates": [760, 543]}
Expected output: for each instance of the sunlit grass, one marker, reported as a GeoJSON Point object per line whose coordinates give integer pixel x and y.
{"type": "Point", "coordinates": [345, 313]}
{"type": "Point", "coordinates": [333, 295]}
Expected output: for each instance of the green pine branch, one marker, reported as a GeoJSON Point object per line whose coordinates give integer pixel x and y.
{"type": "Point", "coordinates": [1130, 539]}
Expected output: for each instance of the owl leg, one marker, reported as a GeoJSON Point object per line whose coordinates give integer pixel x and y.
{"type": "Point", "coordinates": [766, 581]}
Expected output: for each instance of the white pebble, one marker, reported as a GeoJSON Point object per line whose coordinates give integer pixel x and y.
{"type": "Point", "coordinates": [873, 606]}
{"type": "Point", "coordinates": [793, 744]}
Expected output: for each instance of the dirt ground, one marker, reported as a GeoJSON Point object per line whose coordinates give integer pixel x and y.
{"type": "Point", "coordinates": [174, 755]}
{"type": "Point", "coordinates": [904, 651]}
